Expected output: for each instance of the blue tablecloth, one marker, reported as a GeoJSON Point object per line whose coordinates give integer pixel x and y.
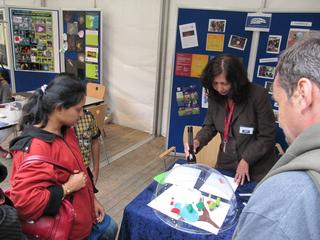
{"type": "Point", "coordinates": [139, 221]}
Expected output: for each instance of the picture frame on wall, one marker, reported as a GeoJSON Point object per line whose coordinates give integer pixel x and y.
{"type": "Point", "coordinates": [35, 47]}
{"type": "Point", "coordinates": [237, 42]}
{"type": "Point", "coordinates": [273, 44]}
{"type": "Point", "coordinates": [267, 72]}
{"type": "Point", "coordinates": [217, 25]}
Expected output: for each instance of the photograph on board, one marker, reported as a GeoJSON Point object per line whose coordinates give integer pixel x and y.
{"type": "Point", "coordinates": [266, 71]}
{"type": "Point", "coordinates": [268, 86]}
{"type": "Point", "coordinates": [237, 42]}
{"type": "Point", "coordinates": [273, 45]}
{"type": "Point", "coordinates": [217, 25]}
{"type": "Point", "coordinates": [295, 35]}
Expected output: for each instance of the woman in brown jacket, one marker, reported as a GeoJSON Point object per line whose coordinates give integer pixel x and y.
{"type": "Point", "coordinates": [242, 113]}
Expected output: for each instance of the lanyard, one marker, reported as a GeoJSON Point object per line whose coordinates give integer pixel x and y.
{"type": "Point", "coordinates": [227, 121]}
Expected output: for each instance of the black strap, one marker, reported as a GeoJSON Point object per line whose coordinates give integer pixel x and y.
{"type": "Point", "coordinates": [42, 158]}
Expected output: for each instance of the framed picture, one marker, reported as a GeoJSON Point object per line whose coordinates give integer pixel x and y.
{"type": "Point", "coordinates": [266, 71]}
{"type": "Point", "coordinates": [217, 25]}
{"type": "Point", "coordinates": [237, 42]}
{"type": "Point", "coordinates": [273, 45]}
{"type": "Point", "coordinates": [268, 86]}
{"type": "Point", "coordinates": [295, 35]}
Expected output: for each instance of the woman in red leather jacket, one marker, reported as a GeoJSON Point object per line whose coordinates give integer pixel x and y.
{"type": "Point", "coordinates": [38, 189]}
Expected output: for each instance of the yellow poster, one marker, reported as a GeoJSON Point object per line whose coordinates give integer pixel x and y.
{"type": "Point", "coordinates": [199, 61]}
{"type": "Point", "coordinates": [215, 42]}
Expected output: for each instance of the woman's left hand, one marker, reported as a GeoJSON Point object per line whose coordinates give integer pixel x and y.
{"type": "Point", "coordinates": [242, 172]}
{"type": "Point", "coordinates": [99, 210]}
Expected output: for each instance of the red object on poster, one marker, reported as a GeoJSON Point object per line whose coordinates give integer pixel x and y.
{"type": "Point", "coordinates": [183, 64]}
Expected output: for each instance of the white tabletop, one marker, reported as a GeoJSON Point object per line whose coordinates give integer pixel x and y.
{"type": "Point", "coordinates": [10, 114]}
{"type": "Point", "coordinates": [92, 101]}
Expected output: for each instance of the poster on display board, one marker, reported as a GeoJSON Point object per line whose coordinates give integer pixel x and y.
{"type": "Point", "coordinates": [35, 44]}
{"type": "Point", "coordinates": [81, 47]}
{"type": "Point", "coordinates": [3, 39]}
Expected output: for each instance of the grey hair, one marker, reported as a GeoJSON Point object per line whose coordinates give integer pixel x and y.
{"type": "Point", "coordinates": [302, 60]}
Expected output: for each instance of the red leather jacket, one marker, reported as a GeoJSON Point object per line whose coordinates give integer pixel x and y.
{"type": "Point", "coordinates": [30, 187]}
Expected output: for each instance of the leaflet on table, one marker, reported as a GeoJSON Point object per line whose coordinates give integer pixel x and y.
{"type": "Point", "coordinates": [188, 205]}
{"type": "Point", "coordinates": [183, 176]}
{"type": "Point", "coordinates": [3, 124]}
{"type": "Point", "coordinates": [219, 185]}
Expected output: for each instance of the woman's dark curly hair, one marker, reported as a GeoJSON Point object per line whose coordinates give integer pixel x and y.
{"type": "Point", "coordinates": [232, 67]}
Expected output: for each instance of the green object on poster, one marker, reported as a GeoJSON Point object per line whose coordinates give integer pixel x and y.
{"type": "Point", "coordinates": [92, 38]}
{"type": "Point", "coordinates": [91, 71]}
{"type": "Point", "coordinates": [161, 177]}
{"type": "Point", "coordinates": [92, 22]}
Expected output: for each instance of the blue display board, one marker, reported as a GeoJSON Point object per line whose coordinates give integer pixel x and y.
{"type": "Point", "coordinates": [81, 30]}
{"type": "Point", "coordinates": [276, 40]}
{"type": "Point", "coordinates": [35, 46]}
{"type": "Point", "coordinates": [207, 28]}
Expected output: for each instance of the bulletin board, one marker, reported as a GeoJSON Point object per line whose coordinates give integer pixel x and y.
{"type": "Point", "coordinates": [82, 44]}
{"type": "Point", "coordinates": [201, 35]}
{"type": "Point", "coordinates": [35, 46]}
{"type": "Point", "coordinates": [286, 28]}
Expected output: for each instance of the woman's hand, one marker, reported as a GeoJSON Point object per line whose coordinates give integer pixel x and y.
{"type": "Point", "coordinates": [99, 209]}
{"type": "Point", "coordinates": [242, 172]}
{"type": "Point", "coordinates": [75, 182]}
{"type": "Point", "coordinates": [196, 144]}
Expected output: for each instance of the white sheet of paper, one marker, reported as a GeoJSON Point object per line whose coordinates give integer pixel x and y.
{"type": "Point", "coordinates": [183, 176]}
{"type": "Point", "coordinates": [188, 35]}
{"type": "Point", "coordinates": [217, 186]}
{"type": "Point", "coordinates": [177, 197]}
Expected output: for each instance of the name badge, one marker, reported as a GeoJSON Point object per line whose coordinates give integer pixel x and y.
{"type": "Point", "coordinates": [246, 130]}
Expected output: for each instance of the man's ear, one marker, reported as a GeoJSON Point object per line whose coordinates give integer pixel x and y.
{"type": "Point", "coordinates": [304, 94]}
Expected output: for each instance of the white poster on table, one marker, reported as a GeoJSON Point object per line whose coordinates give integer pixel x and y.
{"type": "Point", "coordinates": [220, 186]}
{"type": "Point", "coordinates": [183, 176]}
{"type": "Point", "coordinates": [188, 205]}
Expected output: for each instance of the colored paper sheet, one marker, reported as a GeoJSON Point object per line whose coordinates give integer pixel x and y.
{"type": "Point", "coordinates": [92, 22]}
{"type": "Point", "coordinates": [161, 177]}
{"type": "Point", "coordinates": [199, 61]}
{"type": "Point", "coordinates": [183, 64]}
{"type": "Point", "coordinates": [91, 70]}
{"type": "Point", "coordinates": [215, 42]}
{"type": "Point", "coordinates": [92, 54]}
{"type": "Point", "coordinates": [92, 38]}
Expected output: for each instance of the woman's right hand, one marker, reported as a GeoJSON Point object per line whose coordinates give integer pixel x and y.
{"type": "Point", "coordinates": [76, 181]}
{"type": "Point", "coordinates": [196, 144]}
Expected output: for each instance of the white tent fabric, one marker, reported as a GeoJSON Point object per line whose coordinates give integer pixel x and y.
{"type": "Point", "coordinates": [130, 46]}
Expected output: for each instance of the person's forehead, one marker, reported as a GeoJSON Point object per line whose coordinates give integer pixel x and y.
{"type": "Point", "coordinates": [220, 78]}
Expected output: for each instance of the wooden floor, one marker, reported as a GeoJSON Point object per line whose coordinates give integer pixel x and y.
{"type": "Point", "coordinates": [121, 180]}
{"type": "Point", "coordinates": [127, 176]}
{"type": "Point", "coordinates": [119, 138]}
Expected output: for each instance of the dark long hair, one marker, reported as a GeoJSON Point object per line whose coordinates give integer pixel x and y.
{"type": "Point", "coordinates": [232, 67]}
{"type": "Point", "coordinates": [63, 91]}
